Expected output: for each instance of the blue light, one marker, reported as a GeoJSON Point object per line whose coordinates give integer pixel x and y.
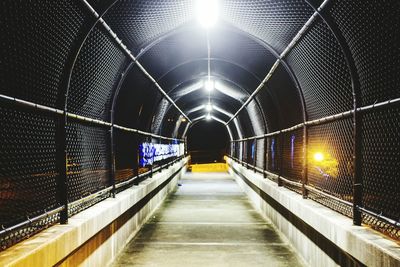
{"type": "Point", "coordinates": [273, 153]}
{"type": "Point", "coordinates": [150, 153]}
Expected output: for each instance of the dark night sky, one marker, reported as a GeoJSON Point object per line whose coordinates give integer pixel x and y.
{"type": "Point", "coordinates": [208, 135]}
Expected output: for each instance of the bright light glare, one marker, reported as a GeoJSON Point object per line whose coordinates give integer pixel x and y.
{"type": "Point", "coordinates": [207, 12]}
{"type": "Point", "coordinates": [319, 156]}
{"type": "Point", "coordinates": [209, 85]}
{"type": "Point", "coordinates": [208, 117]}
{"type": "Point", "coordinates": [209, 107]}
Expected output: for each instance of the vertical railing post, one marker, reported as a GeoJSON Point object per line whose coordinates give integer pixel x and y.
{"type": "Point", "coordinates": [112, 159]}
{"type": "Point", "coordinates": [305, 162]}
{"type": "Point", "coordinates": [242, 153]}
{"type": "Point", "coordinates": [357, 183]}
{"type": "Point", "coordinates": [255, 154]}
{"type": "Point", "coordinates": [162, 163]}
{"type": "Point", "coordinates": [152, 163]}
{"type": "Point", "coordinates": [281, 138]}
{"type": "Point", "coordinates": [265, 157]}
{"type": "Point", "coordinates": [62, 161]}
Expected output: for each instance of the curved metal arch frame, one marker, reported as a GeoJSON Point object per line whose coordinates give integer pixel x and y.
{"type": "Point", "coordinates": [287, 67]}
{"type": "Point", "coordinates": [225, 61]}
{"type": "Point", "coordinates": [357, 119]}
{"type": "Point", "coordinates": [221, 77]}
{"type": "Point", "coordinates": [199, 120]}
{"type": "Point", "coordinates": [259, 41]}
{"type": "Point", "coordinates": [62, 101]}
{"type": "Point", "coordinates": [77, 47]}
{"type": "Point", "coordinates": [205, 59]}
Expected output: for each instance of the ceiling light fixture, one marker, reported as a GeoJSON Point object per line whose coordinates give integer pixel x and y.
{"type": "Point", "coordinates": [207, 13]}
{"type": "Point", "coordinates": [208, 117]}
{"type": "Point", "coordinates": [209, 85]}
{"type": "Point", "coordinates": [209, 107]}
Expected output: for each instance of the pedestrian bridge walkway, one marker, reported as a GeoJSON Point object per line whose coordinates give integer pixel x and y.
{"type": "Point", "coordinates": [208, 221]}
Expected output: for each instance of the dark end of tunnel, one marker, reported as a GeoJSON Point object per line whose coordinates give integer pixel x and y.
{"type": "Point", "coordinates": [207, 142]}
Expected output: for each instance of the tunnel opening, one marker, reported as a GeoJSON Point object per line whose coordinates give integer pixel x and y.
{"type": "Point", "coordinates": [207, 142]}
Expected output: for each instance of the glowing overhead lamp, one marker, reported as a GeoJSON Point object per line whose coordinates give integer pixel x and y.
{"type": "Point", "coordinates": [318, 156]}
{"type": "Point", "coordinates": [207, 12]}
{"type": "Point", "coordinates": [209, 85]}
{"type": "Point", "coordinates": [209, 107]}
{"type": "Point", "coordinates": [208, 117]}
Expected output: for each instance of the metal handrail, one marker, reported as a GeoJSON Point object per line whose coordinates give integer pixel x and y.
{"type": "Point", "coordinates": [81, 201]}
{"type": "Point", "coordinates": [324, 120]}
{"type": "Point", "coordinates": [60, 112]}
{"type": "Point", "coordinates": [317, 191]}
{"type": "Point", "coordinates": [31, 220]}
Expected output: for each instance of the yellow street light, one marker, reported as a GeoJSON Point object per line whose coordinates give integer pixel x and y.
{"type": "Point", "coordinates": [318, 156]}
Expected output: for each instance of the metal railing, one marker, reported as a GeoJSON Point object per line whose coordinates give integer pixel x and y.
{"type": "Point", "coordinates": [239, 152]}
{"type": "Point", "coordinates": [11, 234]}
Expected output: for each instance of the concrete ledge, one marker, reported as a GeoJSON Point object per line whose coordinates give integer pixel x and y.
{"type": "Point", "coordinates": [332, 231]}
{"type": "Point", "coordinates": [61, 243]}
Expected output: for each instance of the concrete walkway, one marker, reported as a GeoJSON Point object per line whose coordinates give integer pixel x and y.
{"type": "Point", "coordinates": [207, 222]}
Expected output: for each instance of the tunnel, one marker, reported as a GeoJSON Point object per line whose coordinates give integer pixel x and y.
{"type": "Point", "coordinates": [116, 112]}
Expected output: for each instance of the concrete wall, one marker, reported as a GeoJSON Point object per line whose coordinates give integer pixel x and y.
{"type": "Point", "coordinates": [322, 236]}
{"type": "Point", "coordinates": [95, 236]}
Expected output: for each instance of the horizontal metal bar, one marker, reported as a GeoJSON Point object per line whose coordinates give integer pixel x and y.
{"type": "Point", "coordinates": [31, 220]}
{"type": "Point", "coordinates": [287, 181]}
{"type": "Point", "coordinates": [77, 202]}
{"type": "Point", "coordinates": [320, 192]}
{"type": "Point", "coordinates": [380, 217]}
{"type": "Point", "coordinates": [91, 196]}
{"type": "Point", "coordinates": [344, 202]}
{"type": "Point", "coordinates": [132, 180]}
{"type": "Point", "coordinates": [299, 184]}
{"type": "Point", "coordinates": [86, 119]}
{"type": "Point", "coordinates": [60, 112]}
{"type": "Point", "coordinates": [332, 118]}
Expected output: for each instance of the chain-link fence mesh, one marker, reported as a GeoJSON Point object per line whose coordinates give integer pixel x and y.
{"type": "Point", "coordinates": [27, 163]}
{"type": "Point", "coordinates": [102, 61]}
{"type": "Point", "coordinates": [319, 65]}
{"type": "Point", "coordinates": [126, 155]}
{"type": "Point", "coordinates": [381, 165]}
{"type": "Point", "coordinates": [293, 155]}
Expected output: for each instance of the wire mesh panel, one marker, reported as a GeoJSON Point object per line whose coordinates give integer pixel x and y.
{"type": "Point", "coordinates": [256, 117]}
{"type": "Point", "coordinates": [330, 162]}
{"type": "Point", "coordinates": [95, 75]}
{"type": "Point", "coordinates": [35, 45]}
{"type": "Point", "coordinates": [139, 22]}
{"type": "Point", "coordinates": [28, 170]}
{"type": "Point", "coordinates": [126, 155]}
{"type": "Point", "coordinates": [292, 165]}
{"type": "Point", "coordinates": [27, 164]}
{"type": "Point", "coordinates": [260, 153]}
{"type": "Point", "coordinates": [322, 72]}
{"type": "Point", "coordinates": [88, 160]}
{"type": "Point", "coordinates": [381, 166]}
{"type": "Point", "coordinates": [274, 150]}
{"type": "Point", "coordinates": [282, 91]}
{"type": "Point", "coordinates": [275, 22]}
{"type": "Point", "coordinates": [372, 31]}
